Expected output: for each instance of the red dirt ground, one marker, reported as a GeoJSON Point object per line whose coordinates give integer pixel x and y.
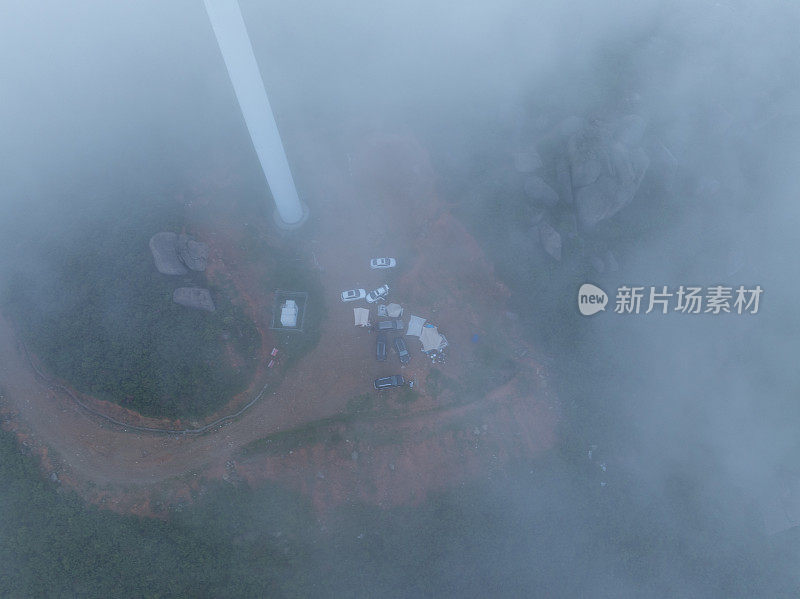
{"type": "Point", "coordinates": [388, 454]}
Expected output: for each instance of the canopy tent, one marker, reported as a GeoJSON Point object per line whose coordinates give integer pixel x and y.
{"type": "Point", "coordinates": [415, 326]}
{"type": "Point", "coordinates": [431, 339]}
{"type": "Point", "coordinates": [361, 316]}
{"type": "Point", "coordinates": [394, 310]}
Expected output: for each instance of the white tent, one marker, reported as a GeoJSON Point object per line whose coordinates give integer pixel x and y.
{"type": "Point", "coordinates": [430, 338]}
{"type": "Point", "coordinates": [361, 316]}
{"type": "Point", "coordinates": [394, 310]}
{"type": "Point", "coordinates": [415, 326]}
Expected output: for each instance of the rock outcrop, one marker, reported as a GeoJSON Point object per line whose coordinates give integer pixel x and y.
{"type": "Point", "coordinates": [527, 161]}
{"type": "Point", "coordinates": [194, 297]}
{"type": "Point", "coordinates": [605, 173]}
{"type": "Point", "coordinates": [175, 254]}
{"type": "Point", "coordinates": [550, 239]}
{"type": "Point", "coordinates": [540, 193]}
{"type": "Point", "coordinates": [193, 254]}
{"type": "Point", "coordinates": [164, 247]}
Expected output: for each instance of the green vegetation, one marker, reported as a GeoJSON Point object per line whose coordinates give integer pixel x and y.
{"type": "Point", "coordinates": [99, 315]}
{"type": "Point", "coordinates": [52, 545]}
{"type": "Point", "coordinates": [241, 542]}
{"type": "Point", "coordinates": [406, 395]}
{"type": "Point", "coordinates": [361, 403]}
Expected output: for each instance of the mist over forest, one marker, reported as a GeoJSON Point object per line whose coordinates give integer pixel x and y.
{"type": "Point", "coordinates": [674, 467]}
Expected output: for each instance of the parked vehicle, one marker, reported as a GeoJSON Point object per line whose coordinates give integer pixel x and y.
{"type": "Point", "coordinates": [401, 349]}
{"type": "Point", "coordinates": [382, 263]}
{"type": "Point", "coordinates": [388, 382]}
{"type": "Point", "coordinates": [393, 324]}
{"type": "Point", "coordinates": [353, 295]}
{"type": "Point", "coordinates": [376, 294]}
{"type": "Point", "coordinates": [380, 348]}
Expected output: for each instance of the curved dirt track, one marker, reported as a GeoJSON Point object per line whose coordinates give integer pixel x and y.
{"type": "Point", "coordinates": [341, 367]}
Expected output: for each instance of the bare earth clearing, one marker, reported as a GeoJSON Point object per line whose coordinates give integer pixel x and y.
{"type": "Point", "coordinates": [345, 441]}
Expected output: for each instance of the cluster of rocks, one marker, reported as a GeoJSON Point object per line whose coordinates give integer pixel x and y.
{"type": "Point", "coordinates": [597, 170]}
{"type": "Point", "coordinates": [176, 255]}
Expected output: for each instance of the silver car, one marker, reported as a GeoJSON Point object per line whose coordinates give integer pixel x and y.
{"type": "Point", "coordinates": [379, 293]}
{"type": "Point", "coordinates": [382, 263]}
{"type": "Point", "coordinates": [353, 295]}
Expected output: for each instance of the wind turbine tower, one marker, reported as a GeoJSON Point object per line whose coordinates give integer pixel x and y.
{"type": "Point", "coordinates": [234, 43]}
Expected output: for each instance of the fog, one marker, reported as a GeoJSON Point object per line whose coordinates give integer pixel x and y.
{"type": "Point", "coordinates": [694, 418]}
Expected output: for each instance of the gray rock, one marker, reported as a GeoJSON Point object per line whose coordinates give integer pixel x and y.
{"type": "Point", "coordinates": [537, 216]}
{"type": "Point", "coordinates": [611, 261]}
{"type": "Point", "coordinates": [194, 297]}
{"type": "Point", "coordinates": [164, 247]}
{"type": "Point", "coordinates": [629, 130]}
{"type": "Point", "coordinates": [527, 161]}
{"type": "Point", "coordinates": [193, 254]}
{"type": "Point", "coordinates": [540, 192]}
{"type": "Point", "coordinates": [619, 173]}
{"type": "Point", "coordinates": [597, 264]}
{"type": "Point", "coordinates": [571, 223]}
{"type": "Point", "coordinates": [564, 180]}
{"type": "Point", "coordinates": [550, 240]}
{"type": "Point", "coordinates": [596, 202]}
{"type": "Point", "coordinates": [588, 158]}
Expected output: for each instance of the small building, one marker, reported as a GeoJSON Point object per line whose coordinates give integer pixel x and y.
{"type": "Point", "coordinates": [289, 314]}
{"type": "Point", "coordinates": [289, 311]}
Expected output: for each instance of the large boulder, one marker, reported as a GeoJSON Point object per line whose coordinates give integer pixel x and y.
{"type": "Point", "coordinates": [550, 239]}
{"type": "Point", "coordinates": [611, 261]}
{"type": "Point", "coordinates": [588, 157]}
{"type": "Point", "coordinates": [605, 173]}
{"type": "Point", "coordinates": [564, 180]}
{"type": "Point", "coordinates": [164, 247]}
{"type": "Point", "coordinates": [527, 161]}
{"type": "Point", "coordinates": [193, 297]}
{"type": "Point", "coordinates": [629, 130]}
{"type": "Point", "coordinates": [540, 193]}
{"type": "Point", "coordinates": [193, 254]}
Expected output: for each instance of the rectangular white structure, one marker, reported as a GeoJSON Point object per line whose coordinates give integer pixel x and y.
{"type": "Point", "coordinates": [289, 314]}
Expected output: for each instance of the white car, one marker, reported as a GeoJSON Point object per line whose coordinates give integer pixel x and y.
{"type": "Point", "coordinates": [376, 294]}
{"type": "Point", "coordinates": [353, 295]}
{"type": "Point", "coordinates": [382, 263]}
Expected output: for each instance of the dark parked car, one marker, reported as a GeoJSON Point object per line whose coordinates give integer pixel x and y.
{"type": "Point", "coordinates": [395, 324]}
{"type": "Point", "coordinates": [387, 382]}
{"type": "Point", "coordinates": [402, 350]}
{"type": "Point", "coordinates": [380, 348]}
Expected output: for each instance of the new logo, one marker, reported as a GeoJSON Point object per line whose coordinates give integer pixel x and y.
{"type": "Point", "coordinates": [591, 299]}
